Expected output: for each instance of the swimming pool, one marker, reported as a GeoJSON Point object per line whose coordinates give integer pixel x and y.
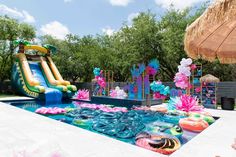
{"type": "Point", "coordinates": [125, 126]}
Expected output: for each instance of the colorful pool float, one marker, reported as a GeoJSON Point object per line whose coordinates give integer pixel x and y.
{"type": "Point", "coordinates": [173, 117]}
{"type": "Point", "coordinates": [105, 108]}
{"type": "Point", "coordinates": [159, 109]}
{"type": "Point", "coordinates": [50, 110]}
{"type": "Point", "coordinates": [84, 122]}
{"type": "Point", "coordinates": [171, 129]}
{"type": "Point", "coordinates": [82, 112]}
{"type": "Point", "coordinates": [193, 124]}
{"type": "Point", "coordinates": [209, 119]}
{"type": "Point", "coordinates": [161, 143]}
{"type": "Point", "coordinates": [118, 124]}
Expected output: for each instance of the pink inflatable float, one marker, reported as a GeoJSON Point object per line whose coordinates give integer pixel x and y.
{"type": "Point", "coordinates": [104, 108]}
{"type": "Point", "coordinates": [50, 110]}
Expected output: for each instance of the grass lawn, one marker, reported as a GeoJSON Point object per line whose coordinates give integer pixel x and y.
{"type": "Point", "coordinates": [6, 95]}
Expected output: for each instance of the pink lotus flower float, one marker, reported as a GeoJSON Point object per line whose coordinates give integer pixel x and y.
{"type": "Point", "coordinates": [187, 103]}
{"type": "Point", "coordinates": [145, 108]}
{"type": "Point", "coordinates": [50, 110]}
{"type": "Point", "coordinates": [82, 94]}
{"type": "Point", "coordinates": [118, 93]}
{"type": "Point", "coordinates": [104, 108]}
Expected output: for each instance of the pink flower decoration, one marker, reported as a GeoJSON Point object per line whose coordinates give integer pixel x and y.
{"type": "Point", "coordinates": [135, 89]}
{"type": "Point", "coordinates": [150, 70]}
{"type": "Point", "coordinates": [181, 81]}
{"type": "Point", "coordinates": [193, 67]}
{"type": "Point", "coordinates": [188, 103]}
{"type": "Point", "coordinates": [113, 94]}
{"type": "Point", "coordinates": [198, 90]}
{"type": "Point", "coordinates": [214, 101]}
{"type": "Point", "coordinates": [101, 82]}
{"type": "Point", "coordinates": [142, 108]}
{"type": "Point", "coordinates": [118, 93]}
{"type": "Point", "coordinates": [82, 94]}
{"type": "Point", "coordinates": [157, 95]}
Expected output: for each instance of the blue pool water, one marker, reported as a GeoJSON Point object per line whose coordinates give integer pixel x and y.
{"type": "Point", "coordinates": [123, 126]}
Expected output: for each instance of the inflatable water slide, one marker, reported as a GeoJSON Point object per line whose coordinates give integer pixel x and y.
{"type": "Point", "coordinates": [34, 74]}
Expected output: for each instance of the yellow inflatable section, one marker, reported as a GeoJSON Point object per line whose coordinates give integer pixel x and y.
{"type": "Point", "coordinates": [58, 76]}
{"type": "Point", "coordinates": [56, 72]}
{"type": "Point", "coordinates": [36, 47]}
{"type": "Point", "coordinates": [28, 74]}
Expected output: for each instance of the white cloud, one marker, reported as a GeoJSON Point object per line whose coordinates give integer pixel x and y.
{"type": "Point", "coordinates": [108, 31]}
{"type": "Point", "coordinates": [13, 12]}
{"type": "Point", "coordinates": [178, 4]}
{"type": "Point", "coordinates": [120, 2]}
{"type": "Point", "coordinates": [27, 17]}
{"type": "Point", "coordinates": [67, 1]}
{"type": "Point", "coordinates": [55, 29]}
{"type": "Point", "coordinates": [132, 16]}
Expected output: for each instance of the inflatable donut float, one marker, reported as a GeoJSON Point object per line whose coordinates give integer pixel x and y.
{"type": "Point", "coordinates": [82, 112]}
{"type": "Point", "coordinates": [173, 117]}
{"type": "Point", "coordinates": [193, 124]}
{"type": "Point", "coordinates": [118, 125]}
{"type": "Point", "coordinates": [209, 119]}
{"type": "Point", "coordinates": [161, 143]}
{"type": "Point", "coordinates": [172, 129]}
{"type": "Point", "coordinates": [202, 113]}
{"type": "Point", "coordinates": [82, 122]}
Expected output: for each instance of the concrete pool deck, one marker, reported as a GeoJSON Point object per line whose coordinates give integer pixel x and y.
{"type": "Point", "coordinates": [15, 98]}
{"type": "Point", "coordinates": [28, 134]}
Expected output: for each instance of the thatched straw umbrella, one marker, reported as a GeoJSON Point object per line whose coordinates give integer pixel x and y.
{"type": "Point", "coordinates": [209, 79]}
{"type": "Point", "coordinates": [213, 34]}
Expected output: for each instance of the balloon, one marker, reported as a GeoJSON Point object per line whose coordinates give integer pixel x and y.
{"type": "Point", "coordinates": [184, 70]}
{"type": "Point", "coordinates": [186, 62]}
{"type": "Point", "coordinates": [96, 71]}
{"type": "Point", "coordinates": [181, 81]}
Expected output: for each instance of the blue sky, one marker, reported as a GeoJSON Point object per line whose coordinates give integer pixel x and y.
{"type": "Point", "coordinates": [83, 17]}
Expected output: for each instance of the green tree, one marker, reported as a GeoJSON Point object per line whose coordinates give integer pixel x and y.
{"type": "Point", "coordinates": [137, 43]}
{"type": "Point", "coordinates": [149, 38]}
{"type": "Point", "coordinates": [10, 30]}
{"type": "Point", "coordinates": [77, 56]}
